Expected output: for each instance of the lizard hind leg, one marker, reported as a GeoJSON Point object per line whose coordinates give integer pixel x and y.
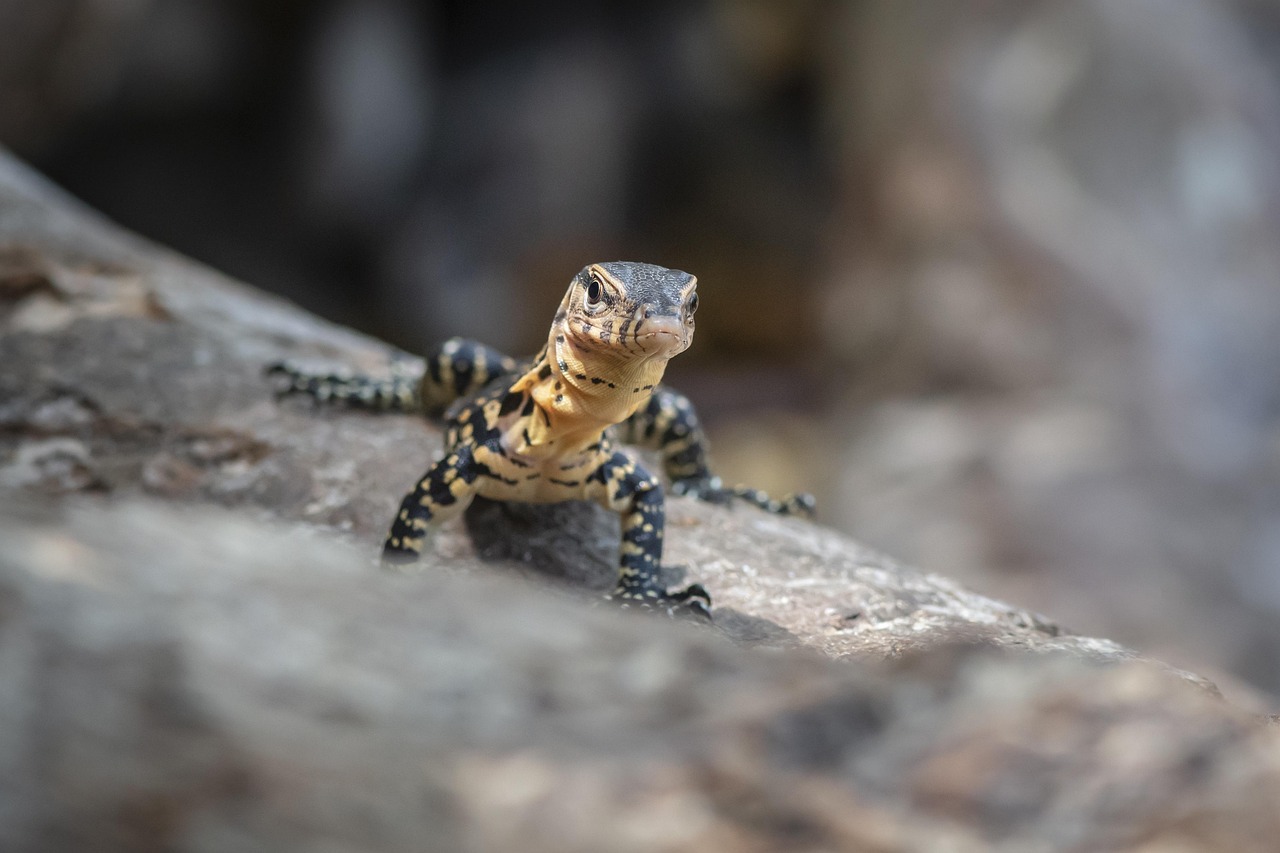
{"type": "Point", "coordinates": [713, 491]}
{"type": "Point", "coordinates": [669, 424]}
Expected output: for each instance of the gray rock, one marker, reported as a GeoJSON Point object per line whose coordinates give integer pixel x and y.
{"type": "Point", "coordinates": [188, 679]}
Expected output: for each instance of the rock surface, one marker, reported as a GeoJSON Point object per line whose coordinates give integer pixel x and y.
{"type": "Point", "coordinates": [197, 654]}
{"type": "Point", "coordinates": [125, 370]}
{"type": "Point", "coordinates": [188, 679]}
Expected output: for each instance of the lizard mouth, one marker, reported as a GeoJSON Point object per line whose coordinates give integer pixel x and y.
{"type": "Point", "coordinates": [663, 335]}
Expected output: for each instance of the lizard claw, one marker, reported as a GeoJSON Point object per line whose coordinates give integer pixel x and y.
{"type": "Point", "coordinates": [693, 591]}
{"type": "Point", "coordinates": [295, 379]}
{"type": "Point", "coordinates": [800, 503]}
{"type": "Point", "coordinates": [692, 601]}
{"type": "Point", "coordinates": [397, 559]}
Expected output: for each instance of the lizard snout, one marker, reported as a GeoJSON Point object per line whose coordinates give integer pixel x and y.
{"type": "Point", "coordinates": [662, 334]}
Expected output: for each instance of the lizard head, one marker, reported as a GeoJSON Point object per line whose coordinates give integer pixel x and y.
{"type": "Point", "coordinates": [619, 324]}
{"type": "Point", "coordinates": [630, 310]}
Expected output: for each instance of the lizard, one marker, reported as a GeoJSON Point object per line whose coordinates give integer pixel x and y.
{"type": "Point", "coordinates": [546, 429]}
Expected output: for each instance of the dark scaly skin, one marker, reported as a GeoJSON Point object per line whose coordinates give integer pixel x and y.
{"type": "Point", "coordinates": [543, 431]}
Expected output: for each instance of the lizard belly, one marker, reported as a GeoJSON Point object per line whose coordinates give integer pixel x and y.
{"type": "Point", "coordinates": [514, 477]}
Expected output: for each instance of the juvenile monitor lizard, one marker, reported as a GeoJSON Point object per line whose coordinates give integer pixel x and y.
{"type": "Point", "coordinates": [545, 430]}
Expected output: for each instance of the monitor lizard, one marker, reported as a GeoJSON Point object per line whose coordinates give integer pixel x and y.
{"type": "Point", "coordinates": [546, 429]}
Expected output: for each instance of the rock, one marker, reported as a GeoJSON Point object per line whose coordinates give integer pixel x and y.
{"type": "Point", "coordinates": [197, 652]}
{"type": "Point", "coordinates": [146, 377]}
{"type": "Point", "coordinates": [188, 679]}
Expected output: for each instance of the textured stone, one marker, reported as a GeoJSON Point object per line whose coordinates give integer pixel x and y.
{"type": "Point", "coordinates": [188, 679]}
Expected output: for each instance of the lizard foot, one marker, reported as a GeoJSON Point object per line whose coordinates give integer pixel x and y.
{"type": "Point", "coordinates": [398, 559]}
{"type": "Point", "coordinates": [691, 602]}
{"type": "Point", "coordinates": [290, 379]}
{"type": "Point", "coordinates": [713, 491]}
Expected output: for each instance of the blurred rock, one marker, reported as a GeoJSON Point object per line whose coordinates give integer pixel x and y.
{"type": "Point", "coordinates": [1059, 316]}
{"type": "Point", "coordinates": [190, 680]}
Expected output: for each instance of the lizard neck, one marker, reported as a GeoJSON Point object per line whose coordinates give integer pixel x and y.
{"type": "Point", "coordinates": [578, 393]}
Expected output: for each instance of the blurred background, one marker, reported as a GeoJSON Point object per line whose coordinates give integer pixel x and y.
{"type": "Point", "coordinates": [999, 280]}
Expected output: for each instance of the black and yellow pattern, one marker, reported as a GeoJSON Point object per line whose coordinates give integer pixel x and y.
{"type": "Point", "coordinates": [399, 392]}
{"type": "Point", "coordinates": [543, 430]}
{"type": "Point", "coordinates": [669, 424]}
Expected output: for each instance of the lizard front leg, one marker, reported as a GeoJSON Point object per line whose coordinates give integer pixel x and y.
{"type": "Point", "coordinates": [398, 392]}
{"type": "Point", "coordinates": [455, 369]}
{"type": "Point", "coordinates": [636, 495]}
{"type": "Point", "coordinates": [442, 493]}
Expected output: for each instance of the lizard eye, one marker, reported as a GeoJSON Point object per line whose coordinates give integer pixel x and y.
{"type": "Point", "coordinates": [693, 304]}
{"type": "Point", "coordinates": [593, 292]}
